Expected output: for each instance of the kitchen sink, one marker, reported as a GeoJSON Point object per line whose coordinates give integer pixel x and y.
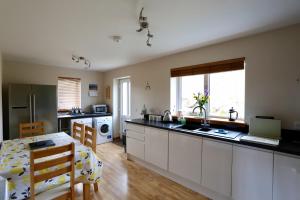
{"type": "Point", "coordinates": [189, 127]}
{"type": "Point", "coordinates": [204, 129]}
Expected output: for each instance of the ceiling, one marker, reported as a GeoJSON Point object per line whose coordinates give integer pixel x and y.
{"type": "Point", "coordinates": [49, 31]}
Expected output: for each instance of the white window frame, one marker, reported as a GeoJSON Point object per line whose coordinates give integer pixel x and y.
{"type": "Point", "coordinates": [206, 87]}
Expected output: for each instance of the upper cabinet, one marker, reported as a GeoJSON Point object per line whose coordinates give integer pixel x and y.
{"type": "Point", "coordinates": [252, 174]}
{"type": "Point", "coordinates": [156, 147]}
{"type": "Point", "coordinates": [216, 166]}
{"type": "Point", "coordinates": [286, 177]}
{"type": "Point", "coordinates": [185, 156]}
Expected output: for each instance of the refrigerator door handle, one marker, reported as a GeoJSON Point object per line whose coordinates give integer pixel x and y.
{"type": "Point", "coordinates": [30, 108]}
{"type": "Point", "coordinates": [33, 110]}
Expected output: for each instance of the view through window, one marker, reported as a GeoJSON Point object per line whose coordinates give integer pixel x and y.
{"type": "Point", "coordinates": [226, 90]}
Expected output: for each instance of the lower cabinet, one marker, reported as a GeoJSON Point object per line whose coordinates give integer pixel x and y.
{"type": "Point", "coordinates": [286, 177]}
{"type": "Point", "coordinates": [252, 173]}
{"type": "Point", "coordinates": [185, 156]}
{"type": "Point", "coordinates": [135, 147]}
{"type": "Point", "coordinates": [216, 166]}
{"type": "Point", "coordinates": [156, 147]}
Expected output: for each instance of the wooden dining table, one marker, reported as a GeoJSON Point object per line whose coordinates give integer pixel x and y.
{"type": "Point", "coordinates": [15, 166]}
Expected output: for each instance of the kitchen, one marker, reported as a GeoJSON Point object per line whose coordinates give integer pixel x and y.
{"type": "Point", "coordinates": [241, 143]}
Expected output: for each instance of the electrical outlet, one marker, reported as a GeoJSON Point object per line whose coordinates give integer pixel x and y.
{"type": "Point", "coordinates": [297, 125]}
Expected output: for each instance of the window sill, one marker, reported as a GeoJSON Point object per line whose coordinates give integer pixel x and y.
{"type": "Point", "coordinates": [216, 121]}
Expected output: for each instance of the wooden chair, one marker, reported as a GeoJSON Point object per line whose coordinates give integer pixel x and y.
{"type": "Point", "coordinates": [65, 191]}
{"type": "Point", "coordinates": [90, 140]}
{"type": "Point", "coordinates": [31, 129]}
{"type": "Point", "coordinates": [78, 132]}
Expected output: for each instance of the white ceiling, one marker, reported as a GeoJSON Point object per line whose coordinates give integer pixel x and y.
{"type": "Point", "coordinates": [50, 31]}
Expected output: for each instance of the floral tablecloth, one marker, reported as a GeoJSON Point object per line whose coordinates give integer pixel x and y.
{"type": "Point", "coordinates": [15, 165]}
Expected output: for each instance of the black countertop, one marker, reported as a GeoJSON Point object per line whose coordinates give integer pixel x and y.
{"type": "Point", "coordinates": [84, 115]}
{"type": "Point", "coordinates": [289, 147]}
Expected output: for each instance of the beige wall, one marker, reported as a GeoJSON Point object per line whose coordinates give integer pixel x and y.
{"type": "Point", "coordinates": [273, 65]}
{"type": "Point", "coordinates": [1, 114]}
{"type": "Point", "coordinates": [14, 72]}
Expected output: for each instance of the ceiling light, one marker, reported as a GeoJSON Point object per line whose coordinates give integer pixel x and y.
{"type": "Point", "coordinates": [77, 59]}
{"type": "Point", "coordinates": [116, 38]}
{"type": "Point", "coordinates": [144, 24]}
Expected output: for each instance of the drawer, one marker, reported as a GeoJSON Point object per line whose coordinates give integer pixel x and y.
{"type": "Point", "coordinates": [135, 135]}
{"type": "Point", "coordinates": [135, 148]}
{"type": "Point", "coordinates": [136, 128]}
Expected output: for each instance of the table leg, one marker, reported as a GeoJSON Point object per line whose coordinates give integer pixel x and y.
{"type": "Point", "coordinates": [86, 191]}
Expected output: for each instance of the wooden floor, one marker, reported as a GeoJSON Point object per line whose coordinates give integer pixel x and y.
{"type": "Point", "coordinates": [123, 179]}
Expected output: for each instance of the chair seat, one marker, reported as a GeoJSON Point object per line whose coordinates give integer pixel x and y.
{"type": "Point", "coordinates": [54, 192]}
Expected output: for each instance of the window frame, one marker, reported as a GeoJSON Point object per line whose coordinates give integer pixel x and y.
{"type": "Point", "coordinates": [178, 94]}
{"type": "Point", "coordinates": [79, 92]}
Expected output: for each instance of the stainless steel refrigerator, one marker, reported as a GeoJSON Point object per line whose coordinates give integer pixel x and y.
{"type": "Point", "coordinates": [31, 103]}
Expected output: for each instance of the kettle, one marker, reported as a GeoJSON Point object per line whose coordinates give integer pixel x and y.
{"type": "Point", "coordinates": [167, 116]}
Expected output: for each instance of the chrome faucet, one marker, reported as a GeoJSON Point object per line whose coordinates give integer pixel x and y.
{"type": "Point", "coordinates": [205, 119]}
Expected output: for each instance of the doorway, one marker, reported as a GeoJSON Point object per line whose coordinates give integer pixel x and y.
{"type": "Point", "coordinates": [124, 103]}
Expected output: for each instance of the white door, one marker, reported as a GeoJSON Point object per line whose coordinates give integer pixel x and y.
{"type": "Point", "coordinates": [216, 166]}
{"type": "Point", "coordinates": [124, 101]}
{"type": "Point", "coordinates": [156, 147]}
{"type": "Point", "coordinates": [185, 156]}
{"type": "Point", "coordinates": [252, 174]}
{"type": "Point", "coordinates": [286, 177]}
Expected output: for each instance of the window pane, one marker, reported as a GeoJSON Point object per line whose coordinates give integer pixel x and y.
{"type": "Point", "coordinates": [190, 85]}
{"type": "Point", "coordinates": [125, 98]}
{"type": "Point", "coordinates": [227, 89]}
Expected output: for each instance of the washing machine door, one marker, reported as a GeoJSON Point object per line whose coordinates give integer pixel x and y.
{"type": "Point", "coordinates": [103, 129]}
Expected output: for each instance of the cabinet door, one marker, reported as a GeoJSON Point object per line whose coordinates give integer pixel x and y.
{"type": "Point", "coordinates": [135, 148]}
{"type": "Point", "coordinates": [216, 166]}
{"type": "Point", "coordinates": [286, 177]}
{"type": "Point", "coordinates": [185, 156]}
{"type": "Point", "coordinates": [156, 147]}
{"type": "Point", "coordinates": [252, 173]}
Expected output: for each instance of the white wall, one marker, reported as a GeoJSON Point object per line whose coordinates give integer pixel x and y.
{"type": "Point", "coordinates": [1, 114]}
{"type": "Point", "coordinates": [15, 72]}
{"type": "Point", "coordinates": [273, 65]}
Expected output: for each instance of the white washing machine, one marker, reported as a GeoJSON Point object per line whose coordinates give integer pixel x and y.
{"type": "Point", "coordinates": [103, 126]}
{"type": "Point", "coordinates": [85, 121]}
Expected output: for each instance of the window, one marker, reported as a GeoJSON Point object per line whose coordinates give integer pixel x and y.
{"type": "Point", "coordinates": [226, 90]}
{"type": "Point", "coordinates": [68, 93]}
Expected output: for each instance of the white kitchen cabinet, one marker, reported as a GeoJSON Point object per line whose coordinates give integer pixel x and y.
{"type": "Point", "coordinates": [286, 177]}
{"type": "Point", "coordinates": [185, 156]}
{"type": "Point", "coordinates": [156, 147]}
{"type": "Point", "coordinates": [135, 148]}
{"type": "Point", "coordinates": [135, 137]}
{"type": "Point", "coordinates": [216, 166]}
{"type": "Point", "coordinates": [252, 174]}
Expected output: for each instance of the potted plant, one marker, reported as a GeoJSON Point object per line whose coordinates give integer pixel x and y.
{"type": "Point", "coordinates": [201, 100]}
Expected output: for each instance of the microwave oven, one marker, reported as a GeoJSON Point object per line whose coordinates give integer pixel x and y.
{"type": "Point", "coordinates": [99, 109]}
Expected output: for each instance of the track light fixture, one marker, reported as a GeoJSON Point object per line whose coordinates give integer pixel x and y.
{"type": "Point", "coordinates": [77, 59]}
{"type": "Point", "coordinates": [144, 24]}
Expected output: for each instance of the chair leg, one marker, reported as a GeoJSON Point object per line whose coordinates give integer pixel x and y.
{"type": "Point", "coordinates": [86, 191]}
{"type": "Point", "coordinates": [96, 187]}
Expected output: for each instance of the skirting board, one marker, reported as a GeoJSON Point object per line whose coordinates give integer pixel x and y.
{"type": "Point", "coordinates": [182, 181]}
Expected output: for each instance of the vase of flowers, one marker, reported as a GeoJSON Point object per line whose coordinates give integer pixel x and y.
{"type": "Point", "coordinates": [201, 100]}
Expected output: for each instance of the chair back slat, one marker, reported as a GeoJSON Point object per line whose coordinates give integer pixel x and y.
{"type": "Point", "coordinates": [90, 137]}
{"type": "Point", "coordinates": [31, 129]}
{"type": "Point", "coordinates": [78, 132]}
{"type": "Point", "coordinates": [61, 155]}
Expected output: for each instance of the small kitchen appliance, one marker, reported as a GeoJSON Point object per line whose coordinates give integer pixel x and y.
{"type": "Point", "coordinates": [99, 109]}
{"type": "Point", "coordinates": [231, 114]}
{"type": "Point", "coordinates": [167, 116]}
